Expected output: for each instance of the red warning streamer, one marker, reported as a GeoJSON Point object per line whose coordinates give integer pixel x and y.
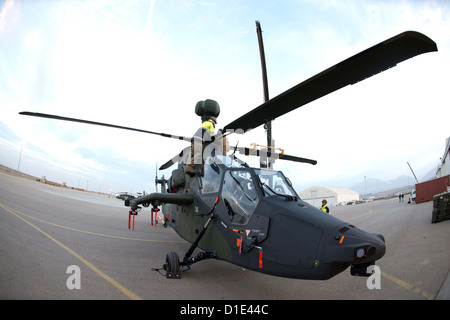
{"type": "Point", "coordinates": [260, 259]}
{"type": "Point", "coordinates": [130, 213]}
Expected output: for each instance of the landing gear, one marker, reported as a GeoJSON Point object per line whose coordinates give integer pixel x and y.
{"type": "Point", "coordinates": [173, 263]}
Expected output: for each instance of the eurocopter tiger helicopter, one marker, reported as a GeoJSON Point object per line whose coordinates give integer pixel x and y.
{"type": "Point", "coordinates": [252, 217]}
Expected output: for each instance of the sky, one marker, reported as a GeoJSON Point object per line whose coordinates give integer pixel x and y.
{"type": "Point", "coordinates": [145, 64]}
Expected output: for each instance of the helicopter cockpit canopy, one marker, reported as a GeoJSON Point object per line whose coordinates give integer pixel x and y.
{"type": "Point", "coordinates": [241, 187]}
{"type": "Point", "coordinates": [275, 183]}
{"type": "Point", "coordinates": [214, 168]}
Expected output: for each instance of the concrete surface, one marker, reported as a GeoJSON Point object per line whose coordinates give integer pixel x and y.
{"type": "Point", "coordinates": [44, 230]}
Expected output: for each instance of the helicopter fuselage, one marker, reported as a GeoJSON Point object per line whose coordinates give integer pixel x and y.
{"type": "Point", "coordinates": [261, 224]}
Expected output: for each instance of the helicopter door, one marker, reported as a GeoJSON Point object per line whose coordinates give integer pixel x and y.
{"type": "Point", "coordinates": [239, 196]}
{"type": "Point", "coordinates": [211, 177]}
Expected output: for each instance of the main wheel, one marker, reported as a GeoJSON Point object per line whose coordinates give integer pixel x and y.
{"type": "Point", "coordinates": [172, 266]}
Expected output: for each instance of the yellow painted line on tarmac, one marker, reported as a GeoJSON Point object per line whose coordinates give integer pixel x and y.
{"type": "Point", "coordinates": [124, 290]}
{"type": "Point", "coordinates": [408, 286]}
{"type": "Point", "coordinates": [370, 212]}
{"type": "Point", "coordinates": [87, 232]}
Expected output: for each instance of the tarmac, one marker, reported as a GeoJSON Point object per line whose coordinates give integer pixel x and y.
{"type": "Point", "coordinates": [46, 231]}
{"type": "Point", "coordinates": [444, 291]}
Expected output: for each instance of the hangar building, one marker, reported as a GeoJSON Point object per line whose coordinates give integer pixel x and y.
{"type": "Point", "coordinates": [334, 196]}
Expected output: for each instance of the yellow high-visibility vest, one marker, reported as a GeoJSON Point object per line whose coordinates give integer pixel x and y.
{"type": "Point", "coordinates": [325, 209]}
{"type": "Point", "coordinates": [209, 125]}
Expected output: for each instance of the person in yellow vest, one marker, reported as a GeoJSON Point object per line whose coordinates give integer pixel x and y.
{"type": "Point", "coordinates": [202, 138]}
{"type": "Point", "coordinates": [324, 206]}
{"type": "Point", "coordinates": [210, 125]}
{"type": "Point", "coordinates": [205, 140]}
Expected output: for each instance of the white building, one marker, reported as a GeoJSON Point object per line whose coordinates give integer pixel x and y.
{"type": "Point", "coordinates": [444, 167]}
{"type": "Point", "coordinates": [334, 196]}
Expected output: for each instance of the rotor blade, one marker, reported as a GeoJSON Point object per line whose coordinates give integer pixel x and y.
{"type": "Point", "coordinates": [273, 155]}
{"type": "Point", "coordinates": [169, 163]}
{"type": "Point", "coordinates": [247, 152]}
{"type": "Point", "coordinates": [175, 159]}
{"type": "Point", "coordinates": [50, 116]}
{"type": "Point", "coordinates": [298, 159]}
{"type": "Point", "coordinates": [361, 66]}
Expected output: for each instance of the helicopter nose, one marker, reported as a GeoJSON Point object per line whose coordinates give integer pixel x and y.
{"type": "Point", "coordinates": [372, 250]}
{"type": "Point", "coordinates": [365, 255]}
{"type": "Point", "coordinates": [357, 248]}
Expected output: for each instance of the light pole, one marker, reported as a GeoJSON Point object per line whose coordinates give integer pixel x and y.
{"type": "Point", "coordinates": [365, 185]}
{"type": "Point", "coordinates": [20, 156]}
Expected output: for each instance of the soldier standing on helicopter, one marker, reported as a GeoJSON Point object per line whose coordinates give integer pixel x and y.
{"type": "Point", "coordinates": [208, 110]}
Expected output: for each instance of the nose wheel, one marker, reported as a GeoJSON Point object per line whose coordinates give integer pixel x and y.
{"type": "Point", "coordinates": [172, 266]}
{"type": "Point", "coordinates": [173, 263]}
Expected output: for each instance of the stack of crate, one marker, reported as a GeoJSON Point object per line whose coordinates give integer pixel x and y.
{"type": "Point", "coordinates": [441, 207]}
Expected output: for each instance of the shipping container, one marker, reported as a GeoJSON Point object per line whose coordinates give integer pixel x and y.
{"type": "Point", "coordinates": [425, 191]}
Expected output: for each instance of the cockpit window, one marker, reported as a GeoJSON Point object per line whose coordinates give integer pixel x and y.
{"type": "Point", "coordinates": [229, 161]}
{"type": "Point", "coordinates": [239, 195]}
{"type": "Point", "coordinates": [274, 182]}
{"type": "Point", "coordinates": [213, 170]}
{"type": "Point", "coordinates": [212, 176]}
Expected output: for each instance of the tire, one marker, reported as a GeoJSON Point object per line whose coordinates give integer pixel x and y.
{"type": "Point", "coordinates": [173, 265]}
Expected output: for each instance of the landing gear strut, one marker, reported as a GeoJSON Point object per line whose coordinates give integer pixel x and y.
{"type": "Point", "coordinates": [173, 264]}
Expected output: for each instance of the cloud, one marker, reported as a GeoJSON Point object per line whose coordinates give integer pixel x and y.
{"type": "Point", "coordinates": [146, 64]}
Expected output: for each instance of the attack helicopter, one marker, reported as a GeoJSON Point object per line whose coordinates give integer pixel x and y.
{"type": "Point", "coordinates": [252, 217]}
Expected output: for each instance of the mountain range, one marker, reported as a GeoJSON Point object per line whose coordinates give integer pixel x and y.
{"type": "Point", "coordinates": [402, 183]}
